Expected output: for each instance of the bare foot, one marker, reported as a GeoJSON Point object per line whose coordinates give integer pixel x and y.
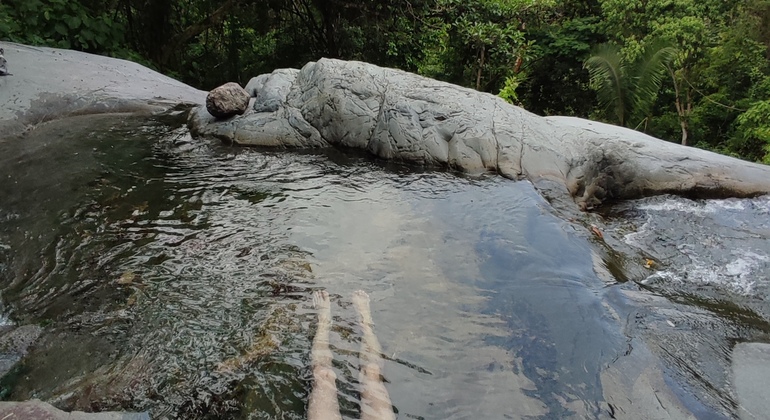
{"type": "Point", "coordinates": [321, 354]}
{"type": "Point", "coordinates": [361, 303]}
{"type": "Point", "coordinates": [322, 303]}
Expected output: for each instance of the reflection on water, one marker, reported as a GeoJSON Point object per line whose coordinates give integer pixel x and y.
{"type": "Point", "coordinates": [175, 277]}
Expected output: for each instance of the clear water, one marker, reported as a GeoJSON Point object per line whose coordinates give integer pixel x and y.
{"type": "Point", "coordinates": [175, 276]}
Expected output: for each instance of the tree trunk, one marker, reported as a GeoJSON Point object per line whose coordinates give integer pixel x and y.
{"type": "Point", "coordinates": [215, 18]}
{"type": "Point", "coordinates": [683, 123]}
{"type": "Point", "coordinates": [329, 19]}
{"type": "Point", "coordinates": [481, 67]}
{"type": "Point", "coordinates": [682, 110]}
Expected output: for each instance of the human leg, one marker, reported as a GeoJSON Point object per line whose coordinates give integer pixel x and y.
{"type": "Point", "coordinates": [323, 403]}
{"type": "Point", "coordinates": [375, 401]}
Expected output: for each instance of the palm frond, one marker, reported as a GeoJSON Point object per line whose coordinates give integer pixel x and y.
{"type": "Point", "coordinates": [608, 76]}
{"type": "Point", "coordinates": [649, 71]}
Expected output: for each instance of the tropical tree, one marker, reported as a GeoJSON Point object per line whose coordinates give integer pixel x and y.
{"type": "Point", "coordinates": [628, 88]}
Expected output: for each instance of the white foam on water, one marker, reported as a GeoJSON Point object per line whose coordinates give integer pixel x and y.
{"type": "Point", "coordinates": [701, 208]}
{"type": "Point", "coordinates": [726, 204]}
{"type": "Point", "coordinates": [641, 232]}
{"type": "Point", "coordinates": [737, 276]}
{"type": "Point", "coordinates": [674, 205]}
{"type": "Point", "coordinates": [663, 276]}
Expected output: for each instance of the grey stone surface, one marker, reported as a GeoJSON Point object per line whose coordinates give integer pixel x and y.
{"type": "Point", "coordinates": [39, 410]}
{"type": "Point", "coordinates": [271, 90]}
{"type": "Point", "coordinates": [390, 113]}
{"type": "Point", "coordinates": [398, 115]}
{"type": "Point", "coordinates": [227, 100]}
{"type": "Point", "coordinates": [50, 84]}
{"type": "Point", "coordinates": [751, 376]}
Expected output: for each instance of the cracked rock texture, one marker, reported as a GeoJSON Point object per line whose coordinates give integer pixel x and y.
{"type": "Point", "coordinates": [403, 116]}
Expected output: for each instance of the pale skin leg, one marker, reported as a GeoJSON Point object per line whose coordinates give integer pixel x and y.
{"type": "Point", "coordinates": [375, 401]}
{"type": "Point", "coordinates": [323, 403]}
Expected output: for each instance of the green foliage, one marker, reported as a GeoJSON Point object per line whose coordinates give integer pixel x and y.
{"type": "Point", "coordinates": [555, 82]}
{"type": "Point", "coordinates": [479, 43]}
{"type": "Point", "coordinates": [508, 92]}
{"type": "Point", "coordinates": [629, 88]}
{"type": "Point", "coordinates": [722, 56]}
{"type": "Point", "coordinates": [754, 130]}
{"type": "Point", "coordinates": [59, 23]}
{"type": "Point", "coordinates": [609, 77]}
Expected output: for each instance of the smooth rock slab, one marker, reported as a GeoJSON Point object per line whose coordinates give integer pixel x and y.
{"type": "Point", "coordinates": [50, 84]}
{"type": "Point", "coordinates": [227, 100]}
{"type": "Point", "coordinates": [751, 375]}
{"type": "Point", "coordinates": [403, 116]}
{"type": "Point", "coordinates": [39, 410]}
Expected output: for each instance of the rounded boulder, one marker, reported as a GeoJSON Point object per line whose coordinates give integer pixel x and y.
{"type": "Point", "coordinates": [227, 100]}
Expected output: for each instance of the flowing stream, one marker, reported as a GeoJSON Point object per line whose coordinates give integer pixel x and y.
{"type": "Point", "coordinates": [175, 276]}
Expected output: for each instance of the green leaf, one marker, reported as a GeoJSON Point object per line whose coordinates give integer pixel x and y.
{"type": "Point", "coordinates": [73, 22]}
{"type": "Point", "coordinates": [608, 76]}
{"type": "Point", "coordinates": [61, 29]}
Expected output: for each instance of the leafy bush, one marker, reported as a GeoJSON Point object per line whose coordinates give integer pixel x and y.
{"type": "Point", "coordinates": [59, 23]}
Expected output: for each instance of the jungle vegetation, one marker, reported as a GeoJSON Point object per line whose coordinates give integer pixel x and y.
{"type": "Point", "coordinates": [695, 72]}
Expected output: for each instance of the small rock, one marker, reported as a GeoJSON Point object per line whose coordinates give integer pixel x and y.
{"type": "Point", "coordinates": [128, 278]}
{"type": "Point", "coordinates": [3, 64]}
{"type": "Point", "coordinates": [227, 100]}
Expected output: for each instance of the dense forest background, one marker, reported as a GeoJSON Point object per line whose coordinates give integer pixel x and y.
{"type": "Point", "coordinates": [689, 71]}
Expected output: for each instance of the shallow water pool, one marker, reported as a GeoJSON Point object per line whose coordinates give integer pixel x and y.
{"type": "Point", "coordinates": [175, 276]}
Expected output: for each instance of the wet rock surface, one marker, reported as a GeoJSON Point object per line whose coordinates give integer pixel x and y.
{"type": "Point", "coordinates": [397, 115]}
{"type": "Point", "coordinates": [39, 410]}
{"type": "Point", "coordinates": [14, 345]}
{"type": "Point", "coordinates": [50, 84]}
{"type": "Point", "coordinates": [751, 369]}
{"type": "Point", "coordinates": [227, 100]}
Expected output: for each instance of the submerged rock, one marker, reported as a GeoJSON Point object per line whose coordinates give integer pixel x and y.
{"type": "Point", "coordinates": [39, 410]}
{"type": "Point", "coordinates": [15, 344]}
{"type": "Point", "coordinates": [399, 115]}
{"type": "Point", "coordinates": [227, 100]}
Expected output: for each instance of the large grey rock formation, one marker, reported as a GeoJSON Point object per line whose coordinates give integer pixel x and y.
{"type": "Point", "coordinates": [390, 113]}
{"type": "Point", "coordinates": [398, 115]}
{"type": "Point", "coordinates": [51, 84]}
